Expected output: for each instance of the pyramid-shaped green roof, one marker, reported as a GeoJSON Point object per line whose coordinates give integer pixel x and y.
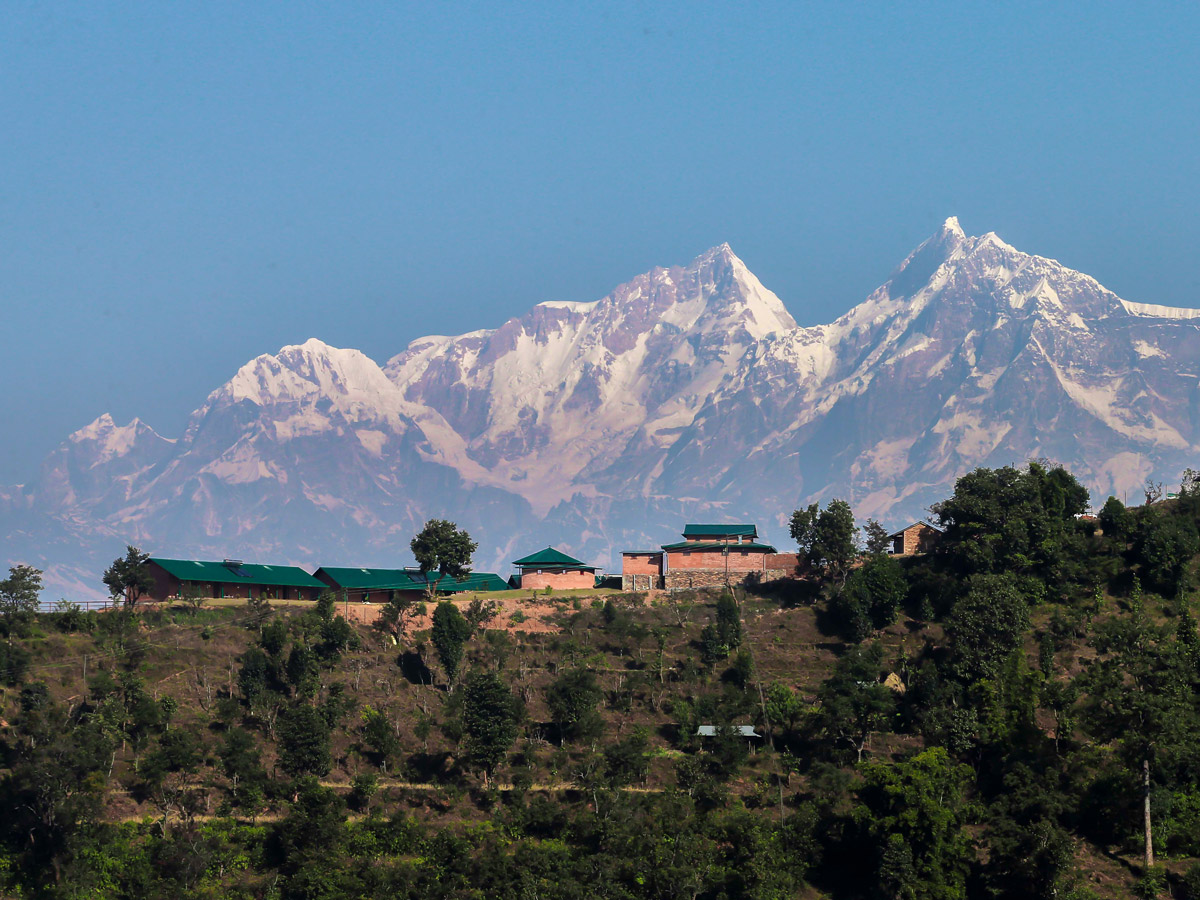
{"type": "Point", "coordinates": [551, 559]}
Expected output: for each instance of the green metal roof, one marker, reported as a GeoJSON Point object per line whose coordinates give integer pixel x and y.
{"type": "Point", "coordinates": [353, 578]}
{"type": "Point", "coordinates": [551, 559]}
{"type": "Point", "coordinates": [242, 573]}
{"type": "Point", "coordinates": [361, 579]}
{"type": "Point", "coordinates": [721, 530]}
{"type": "Point", "coordinates": [721, 545]}
{"type": "Point", "coordinates": [476, 581]}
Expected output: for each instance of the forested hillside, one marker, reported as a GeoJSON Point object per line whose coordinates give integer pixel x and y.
{"type": "Point", "coordinates": [1016, 714]}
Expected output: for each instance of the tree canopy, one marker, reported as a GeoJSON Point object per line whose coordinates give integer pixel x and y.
{"type": "Point", "coordinates": [129, 578]}
{"type": "Point", "coordinates": [442, 550]}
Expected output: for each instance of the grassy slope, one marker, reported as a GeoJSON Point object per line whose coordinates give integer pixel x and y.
{"type": "Point", "coordinates": [193, 657]}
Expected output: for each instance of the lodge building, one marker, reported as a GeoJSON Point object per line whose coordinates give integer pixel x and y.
{"type": "Point", "coordinates": [175, 578]}
{"type": "Point", "coordinates": [707, 555]}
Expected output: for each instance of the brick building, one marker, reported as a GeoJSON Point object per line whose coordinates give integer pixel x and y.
{"type": "Point", "coordinates": [707, 555]}
{"type": "Point", "coordinates": [919, 537]}
{"type": "Point", "coordinates": [641, 570]}
{"type": "Point", "coordinates": [554, 569]}
{"type": "Point", "coordinates": [230, 578]}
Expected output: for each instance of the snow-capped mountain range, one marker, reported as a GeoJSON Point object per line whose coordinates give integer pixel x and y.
{"type": "Point", "coordinates": [688, 393]}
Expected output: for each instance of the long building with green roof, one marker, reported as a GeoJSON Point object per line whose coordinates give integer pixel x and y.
{"type": "Point", "coordinates": [378, 585]}
{"type": "Point", "coordinates": [230, 578]}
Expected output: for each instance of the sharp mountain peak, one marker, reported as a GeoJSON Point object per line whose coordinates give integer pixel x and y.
{"type": "Point", "coordinates": [687, 392]}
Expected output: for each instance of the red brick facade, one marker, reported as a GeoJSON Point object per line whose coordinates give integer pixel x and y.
{"type": "Point", "coordinates": [559, 580]}
{"type": "Point", "coordinates": [641, 571]}
{"type": "Point", "coordinates": [645, 571]}
{"type": "Point", "coordinates": [734, 561]}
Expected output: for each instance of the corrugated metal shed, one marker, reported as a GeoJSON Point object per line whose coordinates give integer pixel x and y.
{"type": "Point", "coordinates": [746, 731]}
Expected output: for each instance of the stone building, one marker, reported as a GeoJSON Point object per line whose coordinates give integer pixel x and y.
{"type": "Point", "coordinates": [919, 537]}
{"type": "Point", "coordinates": [554, 569]}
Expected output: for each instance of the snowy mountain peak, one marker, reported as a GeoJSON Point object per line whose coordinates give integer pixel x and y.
{"type": "Point", "coordinates": [721, 253]}
{"type": "Point", "coordinates": [687, 392]}
{"type": "Point", "coordinates": [302, 370]}
{"type": "Point", "coordinates": [951, 226]}
{"type": "Point", "coordinates": [107, 434]}
{"type": "Point", "coordinates": [734, 297]}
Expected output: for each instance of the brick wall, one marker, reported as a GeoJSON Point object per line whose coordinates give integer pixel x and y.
{"type": "Point", "coordinates": [738, 561]}
{"type": "Point", "coordinates": [787, 563]}
{"type": "Point", "coordinates": [165, 584]}
{"type": "Point", "coordinates": [641, 563]}
{"type": "Point", "coordinates": [568, 580]}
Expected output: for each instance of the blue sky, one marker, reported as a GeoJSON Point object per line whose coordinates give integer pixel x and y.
{"type": "Point", "coordinates": [186, 186]}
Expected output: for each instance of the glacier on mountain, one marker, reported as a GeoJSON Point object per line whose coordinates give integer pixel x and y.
{"type": "Point", "coordinates": [688, 392]}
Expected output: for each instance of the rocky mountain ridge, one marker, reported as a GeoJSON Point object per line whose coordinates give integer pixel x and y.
{"type": "Point", "coordinates": [687, 393]}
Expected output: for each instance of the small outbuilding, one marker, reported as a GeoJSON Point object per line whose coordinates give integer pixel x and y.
{"type": "Point", "coordinates": [919, 537]}
{"type": "Point", "coordinates": [746, 731]}
{"type": "Point", "coordinates": [552, 568]}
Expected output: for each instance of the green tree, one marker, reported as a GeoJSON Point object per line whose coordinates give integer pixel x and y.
{"type": "Point", "coordinates": [854, 703]}
{"type": "Point", "coordinates": [876, 538]}
{"type": "Point", "coordinates": [1141, 695]}
{"type": "Point", "coordinates": [241, 761]}
{"type": "Point", "coordinates": [986, 625]}
{"type": "Point", "coordinates": [573, 697]}
{"type": "Point", "coordinates": [396, 614]}
{"type": "Point", "coordinates": [1116, 521]}
{"type": "Point", "coordinates": [303, 673]}
{"type": "Point", "coordinates": [129, 578]}
{"type": "Point", "coordinates": [834, 541]}
{"type": "Point", "coordinates": [449, 635]}
{"type": "Point", "coordinates": [491, 715]}
{"type": "Point", "coordinates": [1029, 852]}
{"type": "Point", "coordinates": [1166, 544]}
{"type": "Point", "coordinates": [915, 811]}
{"type": "Point", "coordinates": [628, 760]}
{"type": "Point", "coordinates": [783, 707]}
{"type": "Point", "coordinates": [19, 593]}
{"type": "Point", "coordinates": [802, 528]}
{"type": "Point", "coordinates": [304, 741]}
{"type": "Point", "coordinates": [871, 597]}
{"type": "Point", "coordinates": [729, 620]}
{"type": "Point", "coordinates": [442, 548]}
{"type": "Point", "coordinates": [379, 734]}
{"type": "Point", "coordinates": [724, 634]}
{"type": "Point", "coordinates": [254, 675]}
{"type": "Point", "coordinates": [1010, 521]}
